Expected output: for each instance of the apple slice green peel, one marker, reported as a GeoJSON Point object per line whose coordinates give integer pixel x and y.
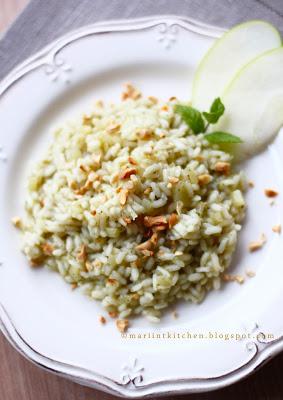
{"type": "Point", "coordinates": [254, 103]}
{"type": "Point", "coordinates": [227, 56]}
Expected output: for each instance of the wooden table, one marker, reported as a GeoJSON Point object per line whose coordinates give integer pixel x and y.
{"type": "Point", "coordinates": [21, 380]}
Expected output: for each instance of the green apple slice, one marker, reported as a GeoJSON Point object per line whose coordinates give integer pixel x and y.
{"type": "Point", "coordinates": [227, 56]}
{"type": "Point", "coordinates": [254, 103]}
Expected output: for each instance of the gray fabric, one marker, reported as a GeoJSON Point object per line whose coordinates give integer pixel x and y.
{"type": "Point", "coordinates": [44, 20]}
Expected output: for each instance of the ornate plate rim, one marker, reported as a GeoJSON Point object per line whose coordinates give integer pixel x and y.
{"type": "Point", "coordinates": [78, 374]}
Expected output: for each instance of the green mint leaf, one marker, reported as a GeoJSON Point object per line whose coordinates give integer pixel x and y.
{"type": "Point", "coordinates": [216, 111]}
{"type": "Point", "coordinates": [191, 117]}
{"type": "Point", "coordinates": [222, 137]}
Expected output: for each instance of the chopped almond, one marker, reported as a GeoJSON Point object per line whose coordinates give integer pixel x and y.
{"type": "Point", "coordinates": [147, 253]}
{"type": "Point", "coordinates": [145, 134]}
{"type": "Point", "coordinates": [204, 179]}
{"type": "Point", "coordinates": [130, 92]}
{"type": "Point", "coordinates": [144, 246]}
{"type": "Point", "coordinates": [114, 128]}
{"type": "Point", "coordinates": [147, 190]}
{"type": "Point", "coordinates": [153, 99]}
{"type": "Point", "coordinates": [132, 161]}
{"type": "Point", "coordinates": [82, 253]}
{"type": "Point", "coordinates": [102, 320]}
{"type": "Point", "coordinates": [127, 220]}
{"type": "Point", "coordinates": [112, 281]}
{"type": "Point", "coordinates": [122, 325]}
{"type": "Point", "coordinates": [128, 172]}
{"type": "Point", "coordinates": [17, 222]}
{"type": "Point", "coordinates": [87, 120]}
{"type": "Point", "coordinates": [88, 266]}
{"type": "Point", "coordinates": [222, 167]}
{"type": "Point", "coordinates": [93, 213]}
{"type": "Point", "coordinates": [74, 286]}
{"type": "Point", "coordinates": [84, 168]}
{"type": "Point", "coordinates": [113, 314]}
{"type": "Point", "coordinates": [123, 196]}
{"type": "Point", "coordinates": [96, 160]}
{"type": "Point", "coordinates": [233, 278]}
{"type": "Point", "coordinates": [47, 248]}
{"type": "Point", "coordinates": [173, 180]}
{"type": "Point", "coordinates": [277, 228]}
{"type": "Point", "coordinates": [250, 273]}
{"type": "Point", "coordinates": [173, 98]}
{"type": "Point", "coordinates": [36, 262]}
{"type": "Point", "coordinates": [256, 245]}
{"type": "Point", "coordinates": [155, 221]}
{"type": "Point", "coordinates": [164, 108]}
{"type": "Point", "coordinates": [173, 219]}
{"type": "Point", "coordinates": [154, 238]}
{"type": "Point", "coordinates": [99, 104]}
{"type": "Point", "coordinates": [270, 193]}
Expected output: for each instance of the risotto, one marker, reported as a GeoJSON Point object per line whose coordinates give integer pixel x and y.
{"type": "Point", "coordinates": [132, 207]}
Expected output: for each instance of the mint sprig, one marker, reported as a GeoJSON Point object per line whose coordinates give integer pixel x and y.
{"type": "Point", "coordinates": [191, 117]}
{"type": "Point", "coordinates": [216, 111]}
{"type": "Point", "coordinates": [222, 137]}
{"type": "Point", "coordinates": [196, 122]}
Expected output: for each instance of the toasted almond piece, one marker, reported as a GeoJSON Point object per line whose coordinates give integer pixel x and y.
{"type": "Point", "coordinates": [257, 244]}
{"type": "Point", "coordinates": [277, 228]}
{"type": "Point", "coordinates": [270, 193]}
{"type": "Point", "coordinates": [204, 179]}
{"type": "Point", "coordinates": [145, 134]}
{"type": "Point", "coordinates": [147, 253]}
{"type": "Point", "coordinates": [93, 213]}
{"type": "Point", "coordinates": [251, 184]}
{"type": "Point", "coordinates": [88, 266]}
{"type": "Point", "coordinates": [154, 238]}
{"type": "Point", "coordinates": [233, 278]}
{"type": "Point", "coordinates": [172, 220]}
{"type": "Point", "coordinates": [84, 168]}
{"type": "Point", "coordinates": [102, 319]}
{"type": "Point", "coordinates": [74, 286]}
{"type": "Point", "coordinates": [123, 196]}
{"type": "Point", "coordinates": [147, 190]}
{"type": "Point", "coordinates": [47, 248]}
{"type": "Point", "coordinates": [132, 161]}
{"type": "Point", "coordinates": [87, 120]}
{"type": "Point", "coordinates": [222, 167]}
{"type": "Point", "coordinates": [112, 281]}
{"type": "Point", "coordinates": [96, 158]}
{"type": "Point", "coordinates": [130, 92]}
{"type": "Point", "coordinates": [155, 221]}
{"type": "Point", "coordinates": [147, 245]}
{"type": "Point", "coordinates": [173, 180]}
{"type": "Point", "coordinates": [172, 98]}
{"type": "Point", "coordinates": [127, 220]}
{"type": "Point", "coordinates": [113, 128]}
{"type": "Point", "coordinates": [17, 222]}
{"type": "Point", "coordinates": [81, 256]}
{"type": "Point", "coordinates": [122, 325]}
{"type": "Point", "coordinates": [113, 314]}
{"type": "Point", "coordinates": [164, 108]}
{"type": "Point", "coordinates": [153, 99]}
{"type": "Point", "coordinates": [73, 185]}
{"type": "Point", "coordinates": [128, 172]}
{"type": "Point", "coordinates": [36, 262]}
{"type": "Point", "coordinates": [99, 103]}
{"type": "Point", "coordinates": [250, 273]}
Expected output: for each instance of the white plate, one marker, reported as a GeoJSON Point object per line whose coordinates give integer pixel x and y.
{"type": "Point", "coordinates": [58, 329]}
